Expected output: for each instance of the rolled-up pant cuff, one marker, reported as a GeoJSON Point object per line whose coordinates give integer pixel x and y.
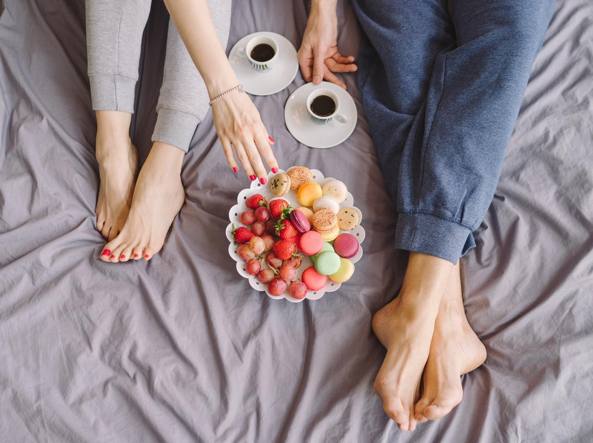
{"type": "Point", "coordinates": [112, 92]}
{"type": "Point", "coordinates": [429, 234]}
{"type": "Point", "coordinates": [175, 128]}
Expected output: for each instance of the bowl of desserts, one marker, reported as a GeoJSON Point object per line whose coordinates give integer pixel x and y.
{"type": "Point", "coordinates": [297, 237]}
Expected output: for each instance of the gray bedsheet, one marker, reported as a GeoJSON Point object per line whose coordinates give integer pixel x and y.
{"type": "Point", "coordinates": [182, 350]}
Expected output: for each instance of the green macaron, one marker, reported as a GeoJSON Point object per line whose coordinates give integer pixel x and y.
{"type": "Point", "coordinates": [327, 263]}
{"type": "Point", "coordinates": [327, 247]}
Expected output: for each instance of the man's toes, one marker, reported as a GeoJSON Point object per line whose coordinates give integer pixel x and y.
{"type": "Point", "coordinates": [397, 413]}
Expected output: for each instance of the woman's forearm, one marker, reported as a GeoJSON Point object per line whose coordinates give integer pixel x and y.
{"type": "Point", "coordinates": [323, 5]}
{"type": "Point", "coordinates": [194, 23]}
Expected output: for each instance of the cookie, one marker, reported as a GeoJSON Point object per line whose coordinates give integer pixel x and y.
{"type": "Point", "coordinates": [324, 220]}
{"type": "Point", "coordinates": [326, 203]}
{"type": "Point", "coordinates": [335, 189]}
{"type": "Point", "coordinates": [307, 193]}
{"type": "Point", "coordinates": [299, 175]}
{"type": "Point", "coordinates": [280, 184]}
{"type": "Point", "coordinates": [348, 218]}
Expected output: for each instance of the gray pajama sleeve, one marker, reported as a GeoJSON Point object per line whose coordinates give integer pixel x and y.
{"type": "Point", "coordinates": [114, 39]}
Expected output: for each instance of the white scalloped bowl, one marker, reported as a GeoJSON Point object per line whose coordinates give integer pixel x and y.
{"type": "Point", "coordinates": [236, 210]}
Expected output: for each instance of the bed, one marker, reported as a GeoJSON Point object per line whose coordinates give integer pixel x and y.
{"type": "Point", "coordinates": [182, 350]}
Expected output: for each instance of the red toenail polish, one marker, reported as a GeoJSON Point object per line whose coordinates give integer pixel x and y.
{"type": "Point", "coordinates": [263, 180]}
{"type": "Point", "coordinates": [146, 256]}
{"type": "Point", "coordinates": [274, 170]}
{"type": "Point", "coordinates": [112, 256]}
{"type": "Point", "coordinates": [121, 257]}
{"type": "Point", "coordinates": [252, 177]}
{"type": "Point", "coordinates": [106, 253]}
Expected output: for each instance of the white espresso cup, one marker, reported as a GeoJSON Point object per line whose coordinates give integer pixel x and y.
{"type": "Point", "coordinates": [324, 118]}
{"type": "Point", "coordinates": [261, 65]}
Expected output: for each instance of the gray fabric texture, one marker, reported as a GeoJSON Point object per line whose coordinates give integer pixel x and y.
{"type": "Point", "coordinates": [182, 350]}
{"type": "Point", "coordinates": [114, 31]}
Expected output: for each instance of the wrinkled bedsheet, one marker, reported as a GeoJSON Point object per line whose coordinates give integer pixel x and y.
{"type": "Point", "coordinates": [181, 349]}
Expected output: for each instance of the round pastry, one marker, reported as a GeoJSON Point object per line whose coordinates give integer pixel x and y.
{"type": "Point", "coordinates": [325, 248]}
{"type": "Point", "coordinates": [331, 234]}
{"type": "Point", "coordinates": [326, 203]}
{"type": "Point", "coordinates": [324, 220]}
{"type": "Point", "coordinates": [344, 273]}
{"type": "Point", "coordinates": [300, 221]}
{"type": "Point", "coordinates": [299, 175]}
{"type": "Point", "coordinates": [348, 218]}
{"type": "Point", "coordinates": [310, 243]}
{"type": "Point", "coordinates": [280, 184]}
{"type": "Point", "coordinates": [308, 192]}
{"type": "Point", "coordinates": [313, 279]}
{"type": "Point", "coordinates": [327, 263]}
{"type": "Point", "coordinates": [335, 189]}
{"type": "Point", "coordinates": [308, 213]}
{"type": "Point", "coordinates": [346, 245]}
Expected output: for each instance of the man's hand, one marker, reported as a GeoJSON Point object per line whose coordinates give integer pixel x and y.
{"type": "Point", "coordinates": [318, 55]}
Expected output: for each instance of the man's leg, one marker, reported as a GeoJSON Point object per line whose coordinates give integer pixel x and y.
{"type": "Point", "coordinates": [183, 102]}
{"type": "Point", "coordinates": [451, 162]}
{"type": "Point", "coordinates": [114, 34]}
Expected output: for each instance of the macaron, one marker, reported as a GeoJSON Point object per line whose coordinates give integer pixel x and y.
{"type": "Point", "coordinates": [313, 279]}
{"type": "Point", "coordinates": [344, 273]}
{"type": "Point", "coordinates": [299, 175]}
{"type": "Point", "coordinates": [349, 218]}
{"type": "Point", "coordinates": [324, 220]}
{"type": "Point", "coordinates": [310, 243]}
{"type": "Point", "coordinates": [325, 248]}
{"type": "Point", "coordinates": [308, 213]}
{"type": "Point", "coordinates": [330, 235]}
{"type": "Point", "coordinates": [308, 192]}
{"type": "Point", "coordinates": [335, 189]}
{"type": "Point", "coordinates": [327, 263]}
{"type": "Point", "coordinates": [346, 245]}
{"type": "Point", "coordinates": [300, 221]}
{"type": "Point", "coordinates": [280, 184]}
{"type": "Point", "coordinates": [326, 203]}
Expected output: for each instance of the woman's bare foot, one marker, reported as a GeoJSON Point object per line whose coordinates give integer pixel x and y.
{"type": "Point", "coordinates": [158, 197]}
{"type": "Point", "coordinates": [118, 160]}
{"type": "Point", "coordinates": [455, 350]}
{"type": "Point", "coordinates": [405, 327]}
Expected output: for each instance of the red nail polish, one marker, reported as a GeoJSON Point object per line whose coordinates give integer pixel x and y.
{"type": "Point", "coordinates": [235, 170]}
{"type": "Point", "coordinates": [121, 257]}
{"type": "Point", "coordinates": [274, 170]}
{"type": "Point", "coordinates": [106, 253]}
{"type": "Point", "coordinates": [252, 177]}
{"type": "Point", "coordinates": [263, 180]}
{"type": "Point", "coordinates": [271, 139]}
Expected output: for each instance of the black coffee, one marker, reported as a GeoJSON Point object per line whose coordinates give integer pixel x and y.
{"type": "Point", "coordinates": [323, 106]}
{"type": "Point", "coordinates": [262, 52]}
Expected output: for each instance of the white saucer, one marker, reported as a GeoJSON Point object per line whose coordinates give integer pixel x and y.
{"type": "Point", "coordinates": [268, 82]}
{"type": "Point", "coordinates": [312, 132]}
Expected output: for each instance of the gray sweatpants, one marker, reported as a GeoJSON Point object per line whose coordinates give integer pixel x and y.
{"type": "Point", "coordinates": [114, 36]}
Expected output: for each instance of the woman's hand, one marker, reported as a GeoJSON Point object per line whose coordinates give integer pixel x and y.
{"type": "Point", "coordinates": [318, 55]}
{"type": "Point", "coordinates": [243, 135]}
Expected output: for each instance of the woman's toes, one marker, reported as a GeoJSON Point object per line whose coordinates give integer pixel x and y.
{"type": "Point", "coordinates": [442, 405]}
{"type": "Point", "coordinates": [147, 254]}
{"type": "Point", "coordinates": [420, 407]}
{"type": "Point", "coordinates": [126, 254]}
{"type": "Point", "coordinates": [137, 252]}
{"type": "Point", "coordinates": [105, 254]}
{"type": "Point", "coordinates": [397, 413]}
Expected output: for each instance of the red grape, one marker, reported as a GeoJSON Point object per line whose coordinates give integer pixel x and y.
{"type": "Point", "coordinates": [265, 275]}
{"type": "Point", "coordinates": [247, 217]}
{"type": "Point", "coordinates": [258, 228]}
{"type": "Point", "coordinates": [273, 261]}
{"type": "Point", "coordinates": [297, 289]}
{"type": "Point", "coordinates": [245, 252]}
{"type": "Point", "coordinates": [253, 266]}
{"type": "Point", "coordinates": [257, 245]}
{"type": "Point", "coordinates": [287, 273]}
{"type": "Point", "coordinates": [262, 214]}
{"type": "Point", "coordinates": [277, 286]}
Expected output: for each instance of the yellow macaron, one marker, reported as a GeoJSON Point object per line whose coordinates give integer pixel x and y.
{"type": "Point", "coordinates": [344, 273]}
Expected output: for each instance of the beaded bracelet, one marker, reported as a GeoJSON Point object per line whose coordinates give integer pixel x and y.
{"type": "Point", "coordinates": [238, 87]}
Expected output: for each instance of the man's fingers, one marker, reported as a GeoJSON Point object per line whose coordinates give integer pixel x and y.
{"type": "Point", "coordinates": [318, 66]}
{"type": "Point", "coordinates": [340, 67]}
{"type": "Point", "coordinates": [244, 159]}
{"type": "Point", "coordinates": [305, 57]}
{"type": "Point", "coordinates": [331, 77]}
{"type": "Point", "coordinates": [344, 59]}
{"type": "Point", "coordinates": [228, 153]}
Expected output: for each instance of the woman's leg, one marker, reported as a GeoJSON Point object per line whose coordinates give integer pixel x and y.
{"type": "Point", "coordinates": [159, 193]}
{"type": "Point", "coordinates": [114, 34]}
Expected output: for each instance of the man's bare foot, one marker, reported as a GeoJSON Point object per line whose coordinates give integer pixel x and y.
{"type": "Point", "coordinates": [158, 197]}
{"type": "Point", "coordinates": [118, 160]}
{"type": "Point", "coordinates": [405, 327]}
{"type": "Point", "coordinates": [455, 350]}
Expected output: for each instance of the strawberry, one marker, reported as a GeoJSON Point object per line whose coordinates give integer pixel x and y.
{"type": "Point", "coordinates": [242, 234]}
{"type": "Point", "coordinates": [277, 207]}
{"type": "Point", "coordinates": [283, 249]}
{"type": "Point", "coordinates": [285, 230]}
{"type": "Point", "coordinates": [255, 201]}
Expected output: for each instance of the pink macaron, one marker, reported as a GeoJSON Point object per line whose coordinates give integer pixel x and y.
{"type": "Point", "coordinates": [310, 243]}
{"type": "Point", "coordinates": [300, 221]}
{"type": "Point", "coordinates": [313, 280]}
{"type": "Point", "coordinates": [346, 245]}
